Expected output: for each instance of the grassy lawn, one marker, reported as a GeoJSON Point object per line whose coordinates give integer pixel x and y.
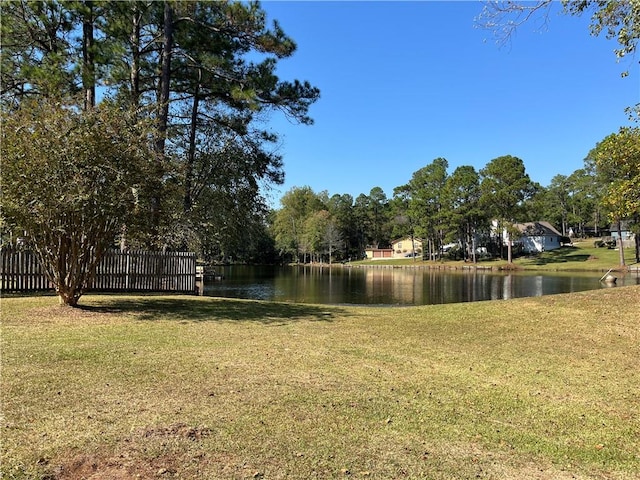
{"type": "Point", "coordinates": [196, 387]}
{"type": "Point", "coordinates": [582, 256]}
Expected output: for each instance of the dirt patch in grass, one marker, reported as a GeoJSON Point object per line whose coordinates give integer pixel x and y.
{"type": "Point", "coordinates": [177, 430]}
{"type": "Point", "coordinates": [65, 315]}
{"type": "Point", "coordinates": [128, 464]}
{"type": "Point", "coordinates": [149, 453]}
{"type": "Point", "coordinates": [55, 311]}
{"type": "Point", "coordinates": [96, 468]}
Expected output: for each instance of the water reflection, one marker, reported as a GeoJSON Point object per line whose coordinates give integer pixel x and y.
{"type": "Point", "coordinates": [395, 286]}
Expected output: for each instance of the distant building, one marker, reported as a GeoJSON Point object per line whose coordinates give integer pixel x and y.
{"type": "Point", "coordinates": [406, 247]}
{"type": "Point", "coordinates": [378, 253]}
{"type": "Point", "coordinates": [537, 237]}
{"type": "Point", "coordinates": [401, 248]}
{"type": "Point", "coordinates": [627, 234]}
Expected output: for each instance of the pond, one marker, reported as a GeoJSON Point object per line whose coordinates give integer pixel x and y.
{"type": "Point", "coordinates": [395, 286]}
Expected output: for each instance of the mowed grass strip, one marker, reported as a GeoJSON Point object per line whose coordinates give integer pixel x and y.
{"type": "Point", "coordinates": [194, 387]}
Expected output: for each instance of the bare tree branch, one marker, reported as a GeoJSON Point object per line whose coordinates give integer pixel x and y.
{"type": "Point", "coordinates": [503, 18]}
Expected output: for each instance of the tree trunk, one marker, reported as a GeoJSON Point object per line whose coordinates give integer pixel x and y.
{"type": "Point", "coordinates": [134, 72]}
{"type": "Point", "coordinates": [636, 234]}
{"type": "Point", "coordinates": [471, 242]}
{"type": "Point", "coordinates": [88, 57]}
{"type": "Point", "coordinates": [165, 79]}
{"type": "Point", "coordinates": [621, 246]}
{"type": "Point", "coordinates": [188, 176]}
{"type": "Point", "coordinates": [134, 79]}
{"type": "Point", "coordinates": [163, 117]}
{"type": "Point", "coordinates": [413, 247]}
{"type": "Point", "coordinates": [69, 299]}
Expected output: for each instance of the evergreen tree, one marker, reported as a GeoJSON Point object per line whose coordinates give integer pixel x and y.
{"type": "Point", "coordinates": [505, 186]}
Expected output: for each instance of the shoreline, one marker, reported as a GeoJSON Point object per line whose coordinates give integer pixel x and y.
{"type": "Point", "coordinates": [634, 268]}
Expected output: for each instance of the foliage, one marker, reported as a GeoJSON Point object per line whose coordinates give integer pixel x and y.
{"type": "Point", "coordinates": [424, 204]}
{"type": "Point", "coordinates": [456, 208]}
{"type": "Point", "coordinates": [226, 208]}
{"type": "Point", "coordinates": [617, 161]}
{"type": "Point", "coordinates": [298, 204]}
{"type": "Point", "coordinates": [311, 224]}
{"type": "Point", "coordinates": [203, 72]}
{"type": "Point", "coordinates": [462, 212]}
{"type": "Point", "coordinates": [619, 20]}
{"type": "Point", "coordinates": [586, 198]}
{"type": "Point", "coordinates": [571, 202]}
{"type": "Point", "coordinates": [36, 58]}
{"type": "Point", "coordinates": [71, 180]}
{"type": "Point", "coordinates": [505, 186]}
{"type": "Point", "coordinates": [373, 211]}
{"type": "Point", "coordinates": [315, 230]}
{"type": "Point", "coordinates": [341, 208]}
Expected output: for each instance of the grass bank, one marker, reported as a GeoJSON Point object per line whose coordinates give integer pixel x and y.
{"type": "Point", "coordinates": [196, 387]}
{"type": "Point", "coordinates": [581, 256]}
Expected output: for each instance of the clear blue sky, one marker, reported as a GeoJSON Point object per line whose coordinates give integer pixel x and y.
{"type": "Point", "coordinates": [403, 83]}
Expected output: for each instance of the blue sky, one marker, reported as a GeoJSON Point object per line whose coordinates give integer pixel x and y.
{"type": "Point", "coordinates": [403, 83]}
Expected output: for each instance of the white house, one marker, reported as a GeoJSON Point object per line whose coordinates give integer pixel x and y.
{"type": "Point", "coordinates": [538, 237]}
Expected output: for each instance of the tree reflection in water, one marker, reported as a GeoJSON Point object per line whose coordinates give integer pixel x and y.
{"type": "Point", "coordinates": [395, 286]}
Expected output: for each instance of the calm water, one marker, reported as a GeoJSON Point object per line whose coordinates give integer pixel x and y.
{"type": "Point", "coordinates": [395, 286]}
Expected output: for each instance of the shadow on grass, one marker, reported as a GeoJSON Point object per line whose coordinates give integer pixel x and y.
{"type": "Point", "coordinates": [200, 310]}
{"type": "Point", "coordinates": [560, 255]}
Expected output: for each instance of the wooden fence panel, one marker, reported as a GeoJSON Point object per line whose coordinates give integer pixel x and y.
{"type": "Point", "coordinates": [21, 271]}
{"type": "Point", "coordinates": [119, 271]}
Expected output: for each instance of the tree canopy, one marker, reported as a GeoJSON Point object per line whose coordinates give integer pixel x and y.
{"type": "Point", "coordinates": [203, 72]}
{"type": "Point", "coordinates": [505, 186]}
{"type": "Point", "coordinates": [617, 161]}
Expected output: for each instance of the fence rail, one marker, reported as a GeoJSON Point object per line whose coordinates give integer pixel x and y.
{"type": "Point", "coordinates": [119, 271]}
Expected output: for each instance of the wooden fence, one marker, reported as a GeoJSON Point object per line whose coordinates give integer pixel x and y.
{"type": "Point", "coordinates": [119, 271]}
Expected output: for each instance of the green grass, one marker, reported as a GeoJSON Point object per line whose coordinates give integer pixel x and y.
{"type": "Point", "coordinates": [195, 387]}
{"type": "Point", "coordinates": [582, 256]}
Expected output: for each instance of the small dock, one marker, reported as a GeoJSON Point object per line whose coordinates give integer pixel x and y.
{"type": "Point", "coordinates": [207, 273]}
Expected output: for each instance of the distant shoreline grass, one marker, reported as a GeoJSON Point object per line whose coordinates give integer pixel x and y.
{"type": "Point", "coordinates": [581, 256]}
{"type": "Point", "coordinates": [196, 387]}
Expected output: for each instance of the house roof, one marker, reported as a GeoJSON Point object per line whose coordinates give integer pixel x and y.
{"type": "Point", "coordinates": [537, 228]}
{"type": "Point", "coordinates": [624, 226]}
{"type": "Point", "coordinates": [408, 239]}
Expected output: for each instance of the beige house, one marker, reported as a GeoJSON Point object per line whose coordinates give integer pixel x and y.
{"type": "Point", "coordinates": [378, 253]}
{"type": "Point", "coordinates": [405, 247]}
{"type": "Point", "coordinates": [401, 248]}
